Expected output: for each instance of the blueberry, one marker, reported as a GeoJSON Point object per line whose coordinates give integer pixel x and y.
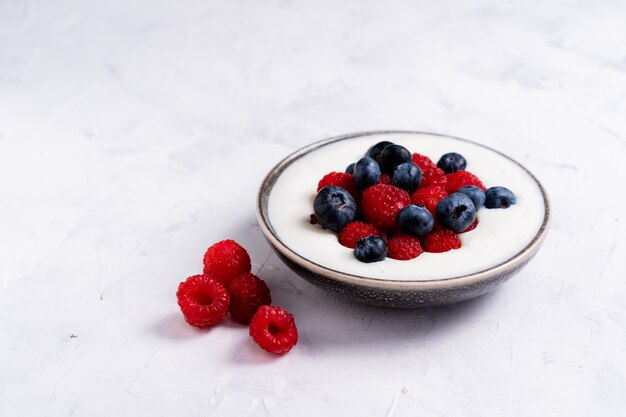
{"type": "Point", "coordinates": [350, 169]}
{"type": "Point", "coordinates": [370, 249]}
{"type": "Point", "coordinates": [415, 220]}
{"type": "Point", "coordinates": [334, 208]}
{"type": "Point", "coordinates": [407, 176]}
{"type": "Point", "coordinates": [475, 194]}
{"type": "Point", "coordinates": [499, 197]}
{"type": "Point", "coordinates": [374, 151]}
{"type": "Point", "coordinates": [392, 156]}
{"type": "Point", "coordinates": [366, 173]}
{"type": "Point", "coordinates": [456, 212]}
{"type": "Point", "coordinates": [452, 162]}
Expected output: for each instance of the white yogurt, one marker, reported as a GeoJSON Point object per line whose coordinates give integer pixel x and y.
{"type": "Point", "coordinates": [501, 233]}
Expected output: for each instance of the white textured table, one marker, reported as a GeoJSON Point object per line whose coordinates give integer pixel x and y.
{"type": "Point", "coordinates": [135, 134]}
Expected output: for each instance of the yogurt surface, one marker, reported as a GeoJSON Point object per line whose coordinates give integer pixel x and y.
{"type": "Point", "coordinates": [500, 234]}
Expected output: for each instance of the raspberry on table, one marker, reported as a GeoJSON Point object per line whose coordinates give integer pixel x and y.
{"type": "Point", "coordinates": [225, 260]}
{"type": "Point", "coordinates": [381, 204]}
{"type": "Point", "coordinates": [440, 240]}
{"type": "Point", "coordinates": [355, 231]}
{"type": "Point", "coordinates": [429, 197]}
{"type": "Point", "coordinates": [273, 329]}
{"type": "Point", "coordinates": [247, 293]}
{"type": "Point", "coordinates": [340, 179]}
{"type": "Point", "coordinates": [460, 179]}
{"type": "Point", "coordinates": [403, 247]}
{"type": "Point", "coordinates": [203, 301]}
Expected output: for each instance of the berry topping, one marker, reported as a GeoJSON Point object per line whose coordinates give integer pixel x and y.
{"type": "Point", "coordinates": [366, 173]}
{"type": "Point", "coordinates": [456, 212]}
{"type": "Point", "coordinates": [247, 293]}
{"type": "Point", "coordinates": [334, 208]}
{"type": "Point", "coordinates": [225, 260]}
{"type": "Point", "coordinates": [339, 179]}
{"type": "Point", "coordinates": [440, 240]}
{"type": "Point", "coordinates": [433, 176]}
{"type": "Point", "coordinates": [428, 197]}
{"type": "Point", "coordinates": [460, 179]}
{"type": "Point", "coordinates": [392, 156]}
{"type": "Point", "coordinates": [415, 220]}
{"type": "Point", "coordinates": [471, 226]}
{"type": "Point", "coordinates": [407, 176]}
{"type": "Point", "coordinates": [350, 169]}
{"type": "Point", "coordinates": [370, 249]}
{"type": "Point", "coordinates": [273, 329]}
{"type": "Point", "coordinates": [375, 151]}
{"type": "Point", "coordinates": [403, 247]}
{"type": "Point", "coordinates": [381, 204]}
{"type": "Point", "coordinates": [499, 197]}
{"type": "Point", "coordinates": [423, 161]}
{"type": "Point", "coordinates": [203, 300]}
{"type": "Point", "coordinates": [386, 179]}
{"type": "Point", "coordinates": [452, 162]}
{"type": "Point", "coordinates": [355, 231]}
{"type": "Point", "coordinates": [475, 194]}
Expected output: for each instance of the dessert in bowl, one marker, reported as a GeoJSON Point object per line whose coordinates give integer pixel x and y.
{"type": "Point", "coordinates": [502, 243]}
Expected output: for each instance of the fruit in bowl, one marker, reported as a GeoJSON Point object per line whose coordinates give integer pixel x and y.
{"type": "Point", "coordinates": [480, 233]}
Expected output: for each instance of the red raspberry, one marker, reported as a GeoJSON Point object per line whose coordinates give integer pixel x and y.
{"type": "Point", "coordinates": [340, 179]}
{"type": "Point", "coordinates": [460, 179]}
{"type": "Point", "coordinates": [423, 161]}
{"type": "Point", "coordinates": [471, 226]}
{"type": "Point", "coordinates": [440, 240]}
{"type": "Point", "coordinates": [273, 329]}
{"type": "Point", "coordinates": [355, 231]}
{"type": "Point", "coordinates": [433, 176]}
{"type": "Point", "coordinates": [403, 246]}
{"type": "Point", "coordinates": [381, 203]}
{"type": "Point", "coordinates": [428, 197]}
{"type": "Point", "coordinates": [203, 300]}
{"type": "Point", "coordinates": [225, 260]}
{"type": "Point", "coordinates": [247, 293]}
{"type": "Point", "coordinates": [385, 179]}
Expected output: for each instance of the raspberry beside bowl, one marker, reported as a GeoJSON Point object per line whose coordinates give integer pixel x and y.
{"type": "Point", "coordinates": [429, 280]}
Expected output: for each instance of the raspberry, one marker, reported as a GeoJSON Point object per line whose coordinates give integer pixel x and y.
{"type": "Point", "coordinates": [203, 300]}
{"type": "Point", "coordinates": [403, 246]}
{"type": "Point", "coordinates": [381, 204]}
{"type": "Point", "coordinates": [428, 197]}
{"type": "Point", "coordinates": [433, 176]}
{"type": "Point", "coordinates": [385, 179]}
{"type": "Point", "coordinates": [340, 179]}
{"type": "Point", "coordinates": [247, 293]}
{"type": "Point", "coordinates": [225, 260]}
{"type": "Point", "coordinates": [471, 226]}
{"type": "Point", "coordinates": [440, 240]}
{"type": "Point", "coordinates": [423, 161]}
{"type": "Point", "coordinates": [273, 329]}
{"type": "Point", "coordinates": [460, 179]}
{"type": "Point", "coordinates": [355, 231]}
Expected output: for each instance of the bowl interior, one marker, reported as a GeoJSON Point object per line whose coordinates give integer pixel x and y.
{"type": "Point", "coordinates": [503, 236]}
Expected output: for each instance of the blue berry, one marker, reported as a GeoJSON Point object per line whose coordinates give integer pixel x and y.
{"type": "Point", "coordinates": [415, 220]}
{"type": "Point", "coordinates": [456, 212]}
{"type": "Point", "coordinates": [370, 249]}
{"type": "Point", "coordinates": [475, 194]}
{"type": "Point", "coordinates": [452, 162]}
{"type": "Point", "coordinates": [350, 169]}
{"type": "Point", "coordinates": [392, 156]}
{"type": "Point", "coordinates": [334, 208]}
{"type": "Point", "coordinates": [375, 151]}
{"type": "Point", "coordinates": [499, 197]}
{"type": "Point", "coordinates": [407, 176]}
{"type": "Point", "coordinates": [366, 173]}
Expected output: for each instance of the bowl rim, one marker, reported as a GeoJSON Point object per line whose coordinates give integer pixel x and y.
{"type": "Point", "coordinates": [452, 282]}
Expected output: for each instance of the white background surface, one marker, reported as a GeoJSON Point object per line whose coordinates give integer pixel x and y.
{"type": "Point", "coordinates": [133, 134]}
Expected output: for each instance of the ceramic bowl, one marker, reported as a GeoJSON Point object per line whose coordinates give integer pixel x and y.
{"type": "Point", "coordinates": [396, 293]}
